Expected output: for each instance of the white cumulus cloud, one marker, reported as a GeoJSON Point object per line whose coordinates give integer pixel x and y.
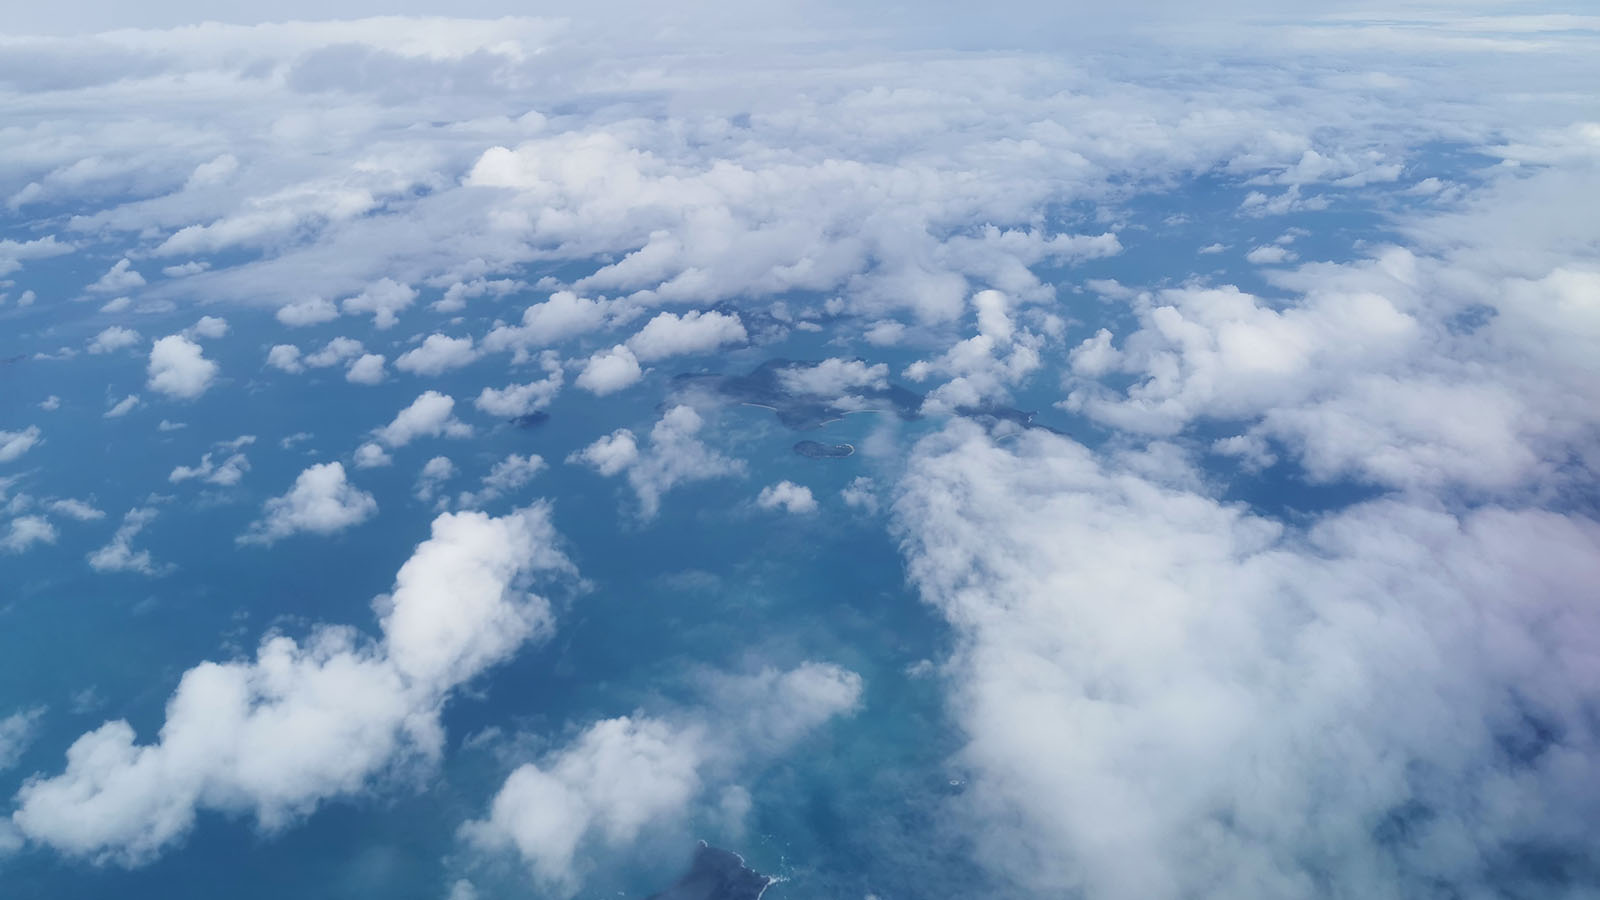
{"type": "Point", "coordinates": [179, 369]}
{"type": "Point", "coordinates": [321, 501]}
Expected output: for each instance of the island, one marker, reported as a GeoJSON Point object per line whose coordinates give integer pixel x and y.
{"type": "Point", "coordinates": [717, 874]}
{"type": "Point", "coordinates": [817, 450]}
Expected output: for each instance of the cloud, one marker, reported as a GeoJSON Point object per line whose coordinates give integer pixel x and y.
{"type": "Point", "coordinates": [436, 355]}
{"type": "Point", "coordinates": [611, 454]}
{"type": "Point", "coordinates": [435, 472]}
{"type": "Point", "coordinates": [456, 296]}
{"type": "Point", "coordinates": [860, 494]}
{"type": "Point", "coordinates": [120, 277]}
{"type": "Point", "coordinates": [982, 368]}
{"type": "Point", "coordinates": [834, 378]}
{"type": "Point", "coordinates": [15, 443]}
{"type": "Point", "coordinates": [1367, 371]}
{"type": "Point", "coordinates": [119, 555]}
{"type": "Point", "coordinates": [311, 311]}
{"type": "Point", "coordinates": [321, 501]}
{"type": "Point", "coordinates": [371, 456]}
{"type": "Point", "coordinates": [626, 774]}
{"type": "Point", "coordinates": [208, 327]}
{"type": "Point", "coordinates": [25, 531]}
{"type": "Point", "coordinates": [122, 407]}
{"type": "Point", "coordinates": [669, 334]}
{"type": "Point", "coordinates": [14, 253]}
{"type": "Point", "coordinates": [562, 316]}
{"type": "Point", "coordinates": [227, 473]}
{"type": "Point", "coordinates": [113, 339]}
{"type": "Point", "coordinates": [516, 400]}
{"type": "Point", "coordinates": [384, 299]}
{"type": "Point", "coordinates": [368, 369]}
{"type": "Point", "coordinates": [508, 475]}
{"type": "Point", "coordinates": [308, 720]}
{"type": "Point", "coordinates": [16, 733]}
{"type": "Point", "coordinates": [1270, 254]}
{"type": "Point", "coordinates": [673, 456]}
{"type": "Point", "coordinates": [178, 369]}
{"type": "Point", "coordinates": [285, 357]}
{"type": "Point", "coordinates": [609, 371]}
{"type": "Point", "coordinates": [75, 509]}
{"type": "Point", "coordinates": [788, 496]}
{"type": "Point", "coordinates": [1137, 661]}
{"type": "Point", "coordinates": [431, 415]}
{"type": "Point", "coordinates": [335, 352]}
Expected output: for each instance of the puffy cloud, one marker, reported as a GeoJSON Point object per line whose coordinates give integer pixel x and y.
{"type": "Point", "coordinates": [1398, 369]}
{"type": "Point", "coordinates": [669, 334]}
{"type": "Point", "coordinates": [119, 555]}
{"type": "Point", "coordinates": [563, 315]}
{"type": "Point", "coordinates": [673, 456]}
{"type": "Point", "coordinates": [122, 407]}
{"type": "Point", "coordinates": [208, 327]}
{"type": "Point", "coordinates": [368, 369]}
{"type": "Point", "coordinates": [860, 494]}
{"type": "Point", "coordinates": [15, 443]}
{"type": "Point", "coordinates": [178, 368]}
{"type": "Point", "coordinates": [335, 352]}
{"type": "Point", "coordinates": [619, 776]}
{"type": "Point", "coordinates": [515, 400]}
{"type": "Point", "coordinates": [625, 774]}
{"type": "Point", "coordinates": [14, 253]}
{"type": "Point", "coordinates": [833, 378]}
{"type": "Point", "coordinates": [321, 501]}
{"type": "Point", "coordinates": [120, 277]}
{"type": "Point", "coordinates": [984, 366]}
{"type": "Point", "coordinates": [306, 720]}
{"type": "Point", "coordinates": [609, 371]}
{"type": "Point", "coordinates": [788, 496]}
{"type": "Point", "coordinates": [437, 354]}
{"type": "Point", "coordinates": [435, 472]}
{"type": "Point", "coordinates": [384, 299]}
{"type": "Point", "coordinates": [25, 531]}
{"type": "Point", "coordinates": [371, 456]}
{"type": "Point", "coordinates": [431, 415]}
{"type": "Point", "coordinates": [285, 357]}
{"type": "Point", "coordinates": [311, 311]}
{"type": "Point", "coordinates": [1392, 699]}
{"type": "Point", "coordinates": [456, 296]}
{"type": "Point", "coordinates": [507, 475]}
{"type": "Point", "coordinates": [113, 339]}
{"type": "Point", "coordinates": [611, 454]}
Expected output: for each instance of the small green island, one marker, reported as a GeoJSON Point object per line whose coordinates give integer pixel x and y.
{"type": "Point", "coordinates": [817, 450]}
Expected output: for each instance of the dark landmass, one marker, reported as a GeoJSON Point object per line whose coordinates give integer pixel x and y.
{"type": "Point", "coordinates": [716, 875]}
{"type": "Point", "coordinates": [824, 451]}
{"type": "Point", "coordinates": [531, 420]}
{"type": "Point", "coordinates": [807, 412]}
